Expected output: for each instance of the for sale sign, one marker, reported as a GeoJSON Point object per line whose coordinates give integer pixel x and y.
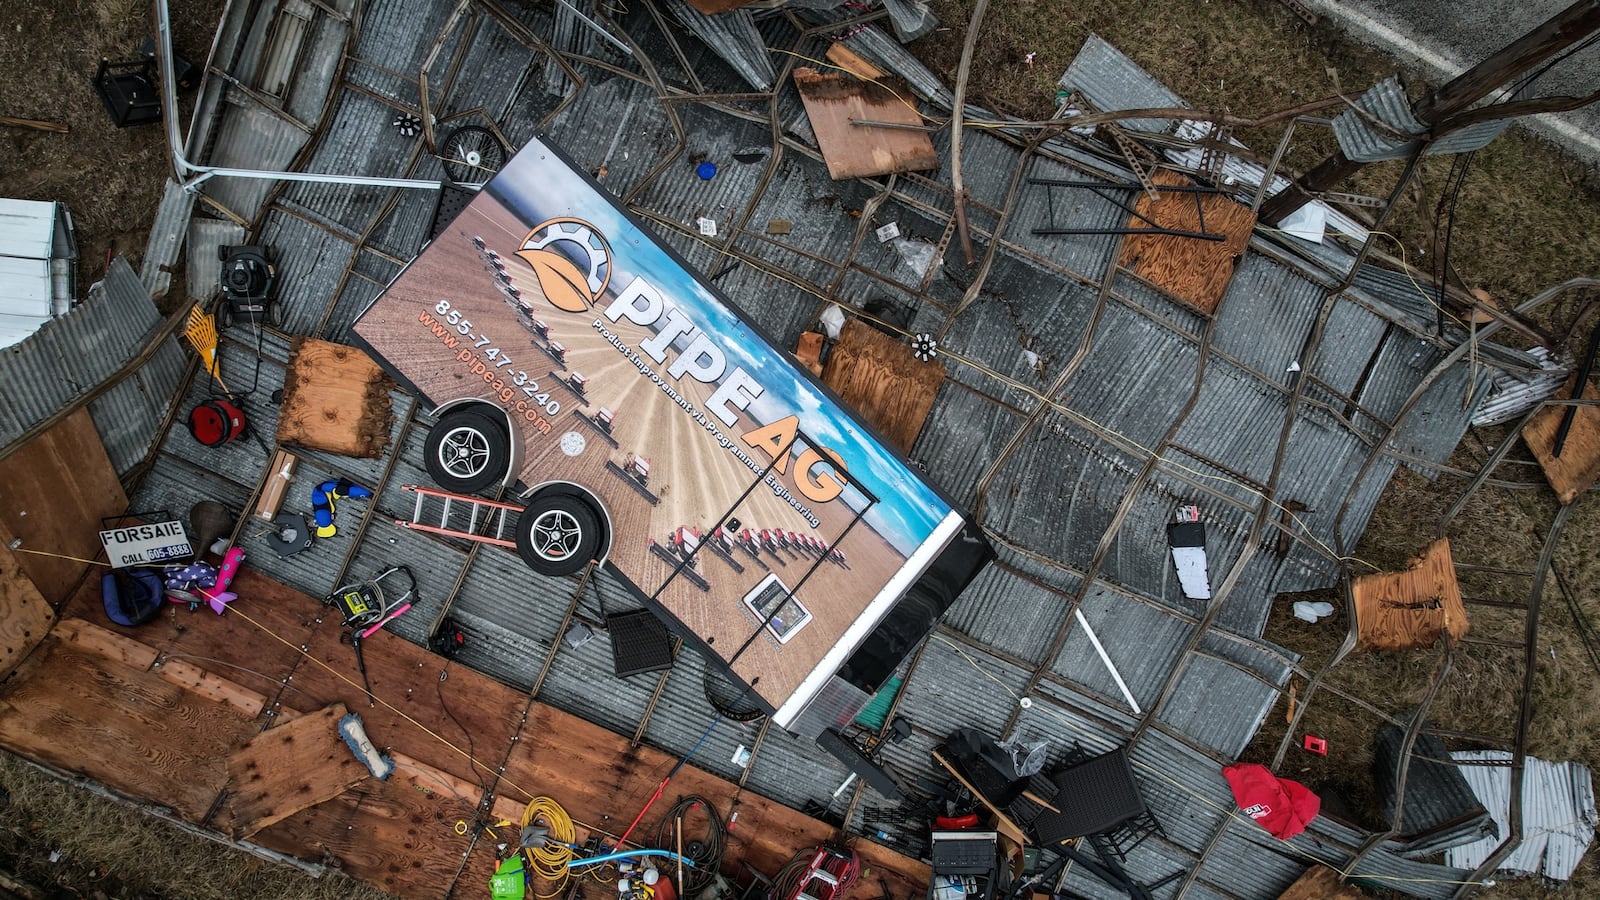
{"type": "Point", "coordinates": [146, 545]}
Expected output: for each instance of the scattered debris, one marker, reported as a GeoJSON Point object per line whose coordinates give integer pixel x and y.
{"type": "Point", "coordinates": [854, 122]}
{"type": "Point", "coordinates": [1558, 813]}
{"type": "Point", "coordinates": [1312, 611]}
{"type": "Point", "coordinates": [1409, 609]}
{"type": "Point", "coordinates": [1187, 537]}
{"type": "Point", "coordinates": [355, 734]}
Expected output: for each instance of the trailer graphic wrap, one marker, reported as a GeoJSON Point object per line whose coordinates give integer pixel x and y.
{"type": "Point", "coordinates": [741, 497]}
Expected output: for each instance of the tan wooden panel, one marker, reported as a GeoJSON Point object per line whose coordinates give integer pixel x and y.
{"type": "Point", "coordinates": [25, 617]}
{"type": "Point", "coordinates": [881, 380]}
{"type": "Point", "coordinates": [1400, 610]}
{"type": "Point", "coordinates": [1578, 466]}
{"type": "Point", "coordinates": [53, 494]}
{"type": "Point", "coordinates": [285, 769]}
{"type": "Point", "coordinates": [386, 833]}
{"type": "Point", "coordinates": [859, 151]}
{"type": "Point", "coordinates": [1320, 883]}
{"type": "Point", "coordinates": [335, 398]}
{"type": "Point", "coordinates": [128, 729]}
{"type": "Point", "coordinates": [1194, 271]}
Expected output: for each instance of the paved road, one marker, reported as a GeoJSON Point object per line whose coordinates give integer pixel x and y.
{"type": "Point", "coordinates": [1443, 37]}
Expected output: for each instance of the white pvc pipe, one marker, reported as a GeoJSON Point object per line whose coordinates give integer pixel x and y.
{"type": "Point", "coordinates": [1115, 675]}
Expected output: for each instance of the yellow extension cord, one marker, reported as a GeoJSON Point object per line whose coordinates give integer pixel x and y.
{"type": "Point", "coordinates": [546, 860]}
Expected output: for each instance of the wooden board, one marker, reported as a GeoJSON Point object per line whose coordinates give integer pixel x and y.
{"type": "Point", "coordinates": [1320, 883]}
{"type": "Point", "coordinates": [1578, 466]}
{"type": "Point", "coordinates": [386, 833]}
{"type": "Point", "coordinates": [335, 398]}
{"type": "Point", "coordinates": [53, 494]}
{"type": "Point", "coordinates": [859, 151]}
{"type": "Point", "coordinates": [617, 778]}
{"type": "Point", "coordinates": [1196, 272]}
{"type": "Point", "coordinates": [808, 350]}
{"type": "Point", "coordinates": [285, 769]}
{"type": "Point", "coordinates": [1402, 610]}
{"type": "Point", "coordinates": [128, 729]}
{"type": "Point", "coordinates": [877, 375]}
{"type": "Point", "coordinates": [25, 617]}
{"type": "Point", "coordinates": [88, 686]}
{"type": "Point", "coordinates": [852, 62]}
{"type": "Point", "coordinates": [188, 637]}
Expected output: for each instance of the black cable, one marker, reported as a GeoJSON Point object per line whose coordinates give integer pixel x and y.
{"type": "Point", "coordinates": [705, 852]}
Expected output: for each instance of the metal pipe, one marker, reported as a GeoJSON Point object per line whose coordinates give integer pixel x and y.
{"type": "Point", "coordinates": [182, 168]}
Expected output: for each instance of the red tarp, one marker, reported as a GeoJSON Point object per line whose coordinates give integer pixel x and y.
{"type": "Point", "coordinates": [1283, 807]}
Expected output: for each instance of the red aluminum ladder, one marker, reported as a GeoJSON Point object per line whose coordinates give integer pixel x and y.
{"type": "Point", "coordinates": [486, 519]}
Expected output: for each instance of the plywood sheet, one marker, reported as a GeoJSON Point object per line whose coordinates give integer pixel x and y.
{"type": "Point", "coordinates": [335, 398]}
{"type": "Point", "coordinates": [386, 833]}
{"type": "Point", "coordinates": [1578, 466]}
{"type": "Point", "coordinates": [1196, 272]}
{"type": "Point", "coordinates": [126, 728]}
{"type": "Point", "coordinates": [877, 375]}
{"type": "Point", "coordinates": [1410, 608]}
{"type": "Point", "coordinates": [1320, 883]}
{"type": "Point", "coordinates": [25, 617]}
{"type": "Point", "coordinates": [188, 637]}
{"type": "Point", "coordinates": [299, 763]}
{"type": "Point", "coordinates": [53, 494]}
{"type": "Point", "coordinates": [861, 151]}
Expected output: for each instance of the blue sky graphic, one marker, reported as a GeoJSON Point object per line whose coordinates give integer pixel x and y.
{"type": "Point", "coordinates": [537, 186]}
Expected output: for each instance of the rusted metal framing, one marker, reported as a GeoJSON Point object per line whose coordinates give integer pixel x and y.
{"type": "Point", "coordinates": [1031, 143]}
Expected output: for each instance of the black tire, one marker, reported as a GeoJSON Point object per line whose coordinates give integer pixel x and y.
{"type": "Point", "coordinates": [558, 534]}
{"type": "Point", "coordinates": [467, 451]}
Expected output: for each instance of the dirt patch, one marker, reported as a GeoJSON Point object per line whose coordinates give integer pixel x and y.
{"type": "Point", "coordinates": [110, 178]}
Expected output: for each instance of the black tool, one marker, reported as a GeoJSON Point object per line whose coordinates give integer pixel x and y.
{"type": "Point", "coordinates": [354, 640]}
{"type": "Point", "coordinates": [1577, 394]}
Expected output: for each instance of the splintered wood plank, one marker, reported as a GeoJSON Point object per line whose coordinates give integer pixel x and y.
{"type": "Point", "coordinates": [25, 617]}
{"type": "Point", "coordinates": [285, 769]}
{"type": "Point", "coordinates": [1578, 466]}
{"type": "Point", "coordinates": [1406, 609]}
{"type": "Point", "coordinates": [128, 729]}
{"type": "Point", "coordinates": [1320, 883]}
{"type": "Point", "coordinates": [880, 378]}
{"type": "Point", "coordinates": [808, 350]}
{"type": "Point", "coordinates": [53, 494]}
{"type": "Point", "coordinates": [862, 151]}
{"type": "Point", "coordinates": [617, 778]}
{"type": "Point", "coordinates": [1196, 272]}
{"type": "Point", "coordinates": [335, 398]}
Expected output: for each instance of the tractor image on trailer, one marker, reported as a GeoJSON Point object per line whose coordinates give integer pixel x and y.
{"type": "Point", "coordinates": [722, 430]}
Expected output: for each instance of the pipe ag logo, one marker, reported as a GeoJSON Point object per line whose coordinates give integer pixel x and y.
{"type": "Point", "coordinates": [571, 260]}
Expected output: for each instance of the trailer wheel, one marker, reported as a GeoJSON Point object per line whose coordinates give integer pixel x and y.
{"type": "Point", "coordinates": [558, 534]}
{"type": "Point", "coordinates": [467, 451]}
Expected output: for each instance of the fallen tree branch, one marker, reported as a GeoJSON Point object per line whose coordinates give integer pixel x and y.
{"type": "Point", "coordinates": [36, 124]}
{"type": "Point", "coordinates": [957, 119]}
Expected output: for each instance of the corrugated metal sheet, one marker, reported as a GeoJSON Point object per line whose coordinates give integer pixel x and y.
{"type": "Point", "coordinates": [734, 37]}
{"type": "Point", "coordinates": [203, 271]}
{"type": "Point", "coordinates": [1440, 810]}
{"type": "Point", "coordinates": [1558, 813]}
{"type": "Point", "coordinates": [82, 348]}
{"type": "Point", "coordinates": [1386, 101]}
{"type": "Point", "coordinates": [165, 244]}
{"type": "Point", "coordinates": [1055, 494]}
{"type": "Point", "coordinates": [1111, 81]}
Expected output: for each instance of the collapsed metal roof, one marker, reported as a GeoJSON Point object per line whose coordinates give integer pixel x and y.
{"type": "Point", "coordinates": [1082, 405]}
